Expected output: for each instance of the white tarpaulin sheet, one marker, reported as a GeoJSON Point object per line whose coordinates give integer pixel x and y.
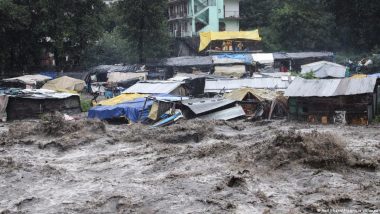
{"type": "Point", "coordinates": [44, 93]}
{"type": "Point", "coordinates": [29, 79]}
{"type": "Point", "coordinates": [324, 69]}
{"type": "Point", "coordinates": [263, 58]}
{"type": "Point", "coordinates": [230, 71]}
{"type": "Point", "coordinates": [121, 77]}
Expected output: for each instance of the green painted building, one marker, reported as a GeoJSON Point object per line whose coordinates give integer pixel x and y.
{"type": "Point", "coordinates": [187, 18]}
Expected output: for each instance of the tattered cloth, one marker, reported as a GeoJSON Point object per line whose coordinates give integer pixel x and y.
{"type": "Point", "coordinates": [65, 83]}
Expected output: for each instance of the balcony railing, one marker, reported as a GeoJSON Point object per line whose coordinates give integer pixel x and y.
{"type": "Point", "coordinates": [231, 14]}
{"type": "Point", "coordinates": [177, 15]}
{"type": "Point", "coordinates": [181, 34]}
{"type": "Point", "coordinates": [173, 1]}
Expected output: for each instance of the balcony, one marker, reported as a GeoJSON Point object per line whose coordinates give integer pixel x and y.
{"type": "Point", "coordinates": [231, 14]}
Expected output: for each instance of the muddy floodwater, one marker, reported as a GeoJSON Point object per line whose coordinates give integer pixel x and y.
{"type": "Point", "coordinates": [193, 166]}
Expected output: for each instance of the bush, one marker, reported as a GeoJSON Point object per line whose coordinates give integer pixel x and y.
{"type": "Point", "coordinates": [85, 104]}
{"type": "Point", "coordinates": [377, 119]}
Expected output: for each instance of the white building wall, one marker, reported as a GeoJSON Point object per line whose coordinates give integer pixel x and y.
{"type": "Point", "coordinates": [232, 25]}
{"type": "Point", "coordinates": [231, 8]}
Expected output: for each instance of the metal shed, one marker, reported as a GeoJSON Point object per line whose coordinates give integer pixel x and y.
{"type": "Point", "coordinates": [326, 100]}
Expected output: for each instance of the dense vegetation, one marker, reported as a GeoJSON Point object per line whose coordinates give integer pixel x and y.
{"type": "Point", "coordinates": [338, 25]}
{"type": "Point", "coordinates": [87, 32]}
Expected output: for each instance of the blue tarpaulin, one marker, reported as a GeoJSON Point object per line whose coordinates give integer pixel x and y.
{"type": "Point", "coordinates": [242, 58]}
{"type": "Point", "coordinates": [51, 74]}
{"type": "Point", "coordinates": [131, 110]}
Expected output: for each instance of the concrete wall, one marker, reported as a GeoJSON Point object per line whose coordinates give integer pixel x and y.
{"type": "Point", "coordinates": [232, 25]}
{"type": "Point", "coordinates": [213, 21]}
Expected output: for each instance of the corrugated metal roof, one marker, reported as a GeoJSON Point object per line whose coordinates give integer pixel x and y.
{"type": "Point", "coordinates": [116, 68]}
{"type": "Point", "coordinates": [189, 61]}
{"type": "Point", "coordinates": [227, 114]}
{"type": "Point", "coordinates": [199, 106]}
{"type": "Point", "coordinates": [153, 87]}
{"type": "Point", "coordinates": [302, 55]}
{"type": "Point", "coordinates": [215, 86]}
{"type": "Point", "coordinates": [330, 87]}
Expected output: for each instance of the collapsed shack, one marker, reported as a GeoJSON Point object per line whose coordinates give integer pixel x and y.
{"type": "Point", "coordinates": [25, 82]}
{"type": "Point", "coordinates": [31, 104]}
{"type": "Point", "coordinates": [212, 109]}
{"type": "Point", "coordinates": [139, 108]}
{"type": "Point", "coordinates": [260, 103]}
{"type": "Point", "coordinates": [108, 77]}
{"type": "Point", "coordinates": [132, 111]}
{"type": "Point", "coordinates": [194, 82]}
{"type": "Point", "coordinates": [351, 100]}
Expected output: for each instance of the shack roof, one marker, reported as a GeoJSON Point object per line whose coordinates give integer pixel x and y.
{"type": "Point", "coordinates": [29, 79]}
{"type": "Point", "coordinates": [188, 61]}
{"type": "Point", "coordinates": [215, 86]}
{"type": "Point", "coordinates": [302, 55]}
{"type": "Point", "coordinates": [39, 94]}
{"type": "Point", "coordinates": [154, 87]}
{"type": "Point", "coordinates": [330, 87]}
{"type": "Point", "coordinates": [116, 68]}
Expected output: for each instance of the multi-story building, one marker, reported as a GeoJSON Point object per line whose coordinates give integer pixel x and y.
{"type": "Point", "coordinates": [188, 18]}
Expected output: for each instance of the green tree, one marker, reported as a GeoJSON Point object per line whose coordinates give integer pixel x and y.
{"type": "Point", "coordinates": [72, 26]}
{"type": "Point", "coordinates": [110, 49]}
{"type": "Point", "coordinates": [15, 36]}
{"type": "Point", "coordinates": [29, 27]}
{"type": "Point", "coordinates": [358, 23]}
{"type": "Point", "coordinates": [302, 25]}
{"type": "Point", "coordinates": [348, 25]}
{"type": "Point", "coordinates": [256, 14]}
{"type": "Point", "coordinates": [143, 24]}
